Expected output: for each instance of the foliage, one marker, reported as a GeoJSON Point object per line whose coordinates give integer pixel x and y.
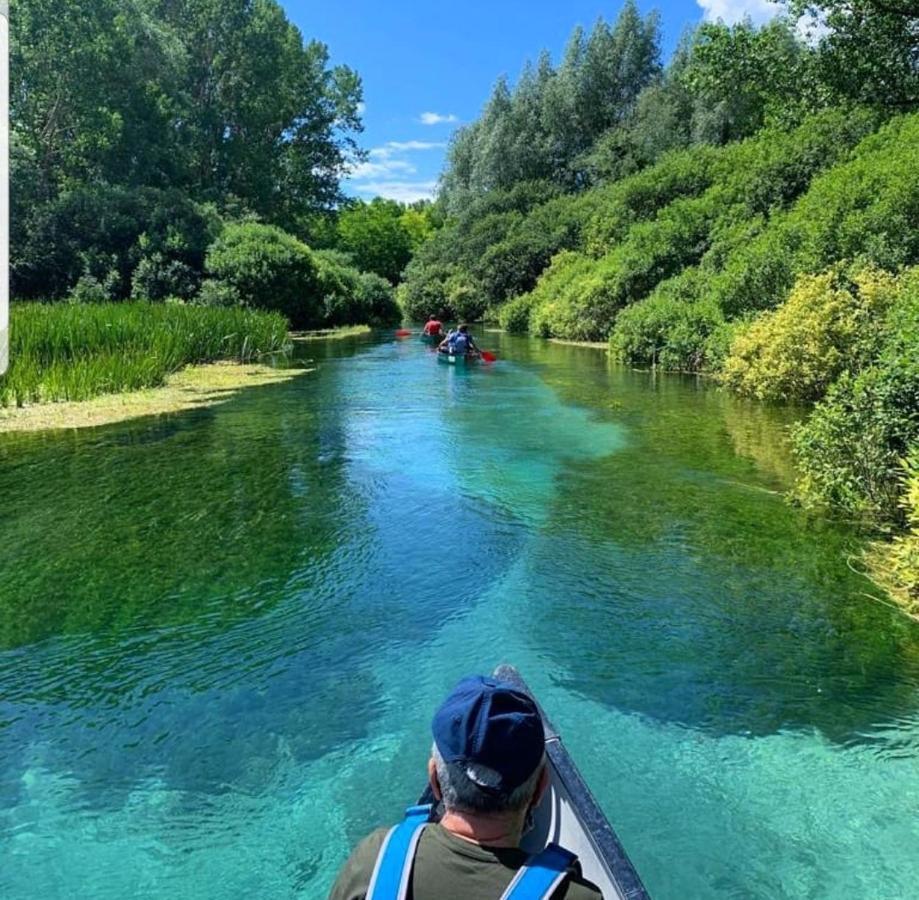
{"type": "Point", "coordinates": [222, 100]}
{"type": "Point", "coordinates": [896, 565]}
{"type": "Point", "coordinates": [376, 301]}
{"type": "Point", "coordinates": [867, 51]}
{"type": "Point", "coordinates": [423, 293]}
{"type": "Point", "coordinates": [830, 323]}
{"type": "Point", "coordinates": [269, 269]}
{"type": "Point", "coordinates": [849, 450]}
{"type": "Point", "coordinates": [747, 76]}
{"type": "Point", "coordinates": [668, 329]}
{"type": "Point", "coordinates": [217, 293]}
{"type": "Point", "coordinates": [376, 237]}
{"type": "Point", "coordinates": [74, 352]}
{"type": "Point", "coordinates": [351, 297]}
{"type": "Point", "coordinates": [540, 129]}
{"type": "Point", "coordinates": [156, 278]}
{"type": "Point", "coordinates": [106, 232]}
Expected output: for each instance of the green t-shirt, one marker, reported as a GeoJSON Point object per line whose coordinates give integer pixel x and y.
{"type": "Point", "coordinates": [449, 868]}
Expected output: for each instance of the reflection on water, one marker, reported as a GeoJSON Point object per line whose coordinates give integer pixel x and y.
{"type": "Point", "coordinates": [222, 632]}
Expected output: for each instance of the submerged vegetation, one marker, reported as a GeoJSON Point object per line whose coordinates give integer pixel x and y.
{"type": "Point", "coordinates": [78, 351]}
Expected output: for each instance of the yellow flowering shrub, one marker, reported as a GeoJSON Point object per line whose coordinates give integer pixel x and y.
{"type": "Point", "coordinates": [830, 323]}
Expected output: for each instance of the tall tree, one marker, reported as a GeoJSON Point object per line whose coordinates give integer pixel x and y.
{"type": "Point", "coordinates": [266, 119]}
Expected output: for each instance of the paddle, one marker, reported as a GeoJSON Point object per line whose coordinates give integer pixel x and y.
{"type": "Point", "coordinates": [403, 332]}
{"type": "Point", "coordinates": [488, 357]}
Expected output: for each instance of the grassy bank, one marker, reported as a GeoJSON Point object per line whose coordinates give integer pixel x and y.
{"type": "Point", "coordinates": [331, 334]}
{"type": "Point", "coordinates": [72, 352]}
{"type": "Point", "coordinates": [194, 387]}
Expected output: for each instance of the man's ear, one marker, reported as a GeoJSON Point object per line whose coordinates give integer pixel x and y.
{"type": "Point", "coordinates": [432, 778]}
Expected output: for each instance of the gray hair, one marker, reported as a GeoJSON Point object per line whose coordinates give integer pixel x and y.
{"type": "Point", "coordinates": [471, 788]}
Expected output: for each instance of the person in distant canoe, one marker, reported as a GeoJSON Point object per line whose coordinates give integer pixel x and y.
{"type": "Point", "coordinates": [460, 342]}
{"type": "Point", "coordinates": [433, 328]}
{"type": "Point", "coordinates": [488, 767]}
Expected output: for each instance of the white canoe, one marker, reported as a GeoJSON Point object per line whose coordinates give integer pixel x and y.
{"type": "Point", "coordinates": [569, 815]}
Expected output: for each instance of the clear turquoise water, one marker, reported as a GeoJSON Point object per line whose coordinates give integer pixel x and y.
{"type": "Point", "coordinates": [222, 633]}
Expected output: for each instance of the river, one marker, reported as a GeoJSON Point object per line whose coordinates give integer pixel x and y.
{"type": "Point", "coordinates": [223, 632]}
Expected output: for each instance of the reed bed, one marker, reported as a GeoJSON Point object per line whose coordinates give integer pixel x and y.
{"type": "Point", "coordinates": [77, 351]}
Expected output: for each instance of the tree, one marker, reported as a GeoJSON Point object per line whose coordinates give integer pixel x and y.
{"type": "Point", "coordinates": [267, 120]}
{"type": "Point", "coordinates": [375, 236]}
{"type": "Point", "coordinates": [743, 77]}
{"type": "Point", "coordinates": [870, 51]}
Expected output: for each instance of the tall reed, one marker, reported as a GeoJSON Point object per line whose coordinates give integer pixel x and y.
{"type": "Point", "coordinates": [77, 351]}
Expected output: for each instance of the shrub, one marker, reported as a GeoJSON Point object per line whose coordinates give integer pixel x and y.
{"type": "Point", "coordinates": [90, 289]}
{"type": "Point", "coordinates": [377, 301]}
{"type": "Point", "coordinates": [664, 331]}
{"type": "Point", "coordinates": [514, 316]}
{"type": "Point", "coordinates": [99, 229]}
{"type": "Point", "coordinates": [423, 292]}
{"type": "Point", "coordinates": [829, 323]}
{"type": "Point", "coordinates": [216, 293]}
{"type": "Point", "coordinates": [157, 277]}
{"type": "Point", "coordinates": [849, 450]}
{"type": "Point", "coordinates": [269, 269]}
{"type": "Point", "coordinates": [465, 300]}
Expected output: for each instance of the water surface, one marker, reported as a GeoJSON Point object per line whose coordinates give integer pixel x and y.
{"type": "Point", "coordinates": [222, 632]}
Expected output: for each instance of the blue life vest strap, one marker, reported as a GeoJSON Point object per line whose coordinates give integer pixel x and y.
{"type": "Point", "coordinates": [538, 878]}
{"type": "Point", "coordinates": [393, 869]}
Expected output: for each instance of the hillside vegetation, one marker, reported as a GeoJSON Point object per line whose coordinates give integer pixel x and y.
{"type": "Point", "coordinates": [749, 211]}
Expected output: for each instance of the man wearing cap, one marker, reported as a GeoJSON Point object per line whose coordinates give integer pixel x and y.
{"type": "Point", "coordinates": [488, 769]}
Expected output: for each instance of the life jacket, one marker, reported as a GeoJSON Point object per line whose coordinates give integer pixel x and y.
{"type": "Point", "coordinates": [458, 343]}
{"type": "Point", "coordinates": [536, 879]}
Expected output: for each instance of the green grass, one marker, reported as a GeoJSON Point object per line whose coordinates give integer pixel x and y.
{"type": "Point", "coordinates": [77, 351]}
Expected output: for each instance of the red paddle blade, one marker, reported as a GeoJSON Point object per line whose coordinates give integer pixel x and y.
{"type": "Point", "coordinates": [403, 332]}
{"type": "Point", "coordinates": [489, 357]}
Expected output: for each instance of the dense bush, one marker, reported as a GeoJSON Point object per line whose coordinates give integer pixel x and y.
{"type": "Point", "coordinates": [423, 292]}
{"type": "Point", "coordinates": [694, 207]}
{"type": "Point", "coordinates": [269, 269]}
{"type": "Point", "coordinates": [351, 297]}
{"type": "Point", "coordinates": [864, 208]}
{"type": "Point", "coordinates": [664, 331]}
{"type": "Point", "coordinates": [74, 352]}
{"type": "Point", "coordinates": [104, 233]}
{"type": "Point", "coordinates": [156, 277]}
{"type": "Point", "coordinates": [850, 449]}
{"type": "Point", "coordinates": [830, 323]}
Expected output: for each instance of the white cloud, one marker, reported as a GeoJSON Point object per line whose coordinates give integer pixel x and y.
{"type": "Point", "coordinates": [392, 147]}
{"type": "Point", "coordinates": [383, 169]}
{"type": "Point", "coordinates": [403, 191]}
{"type": "Point", "coordinates": [416, 145]}
{"type": "Point", "coordinates": [433, 118]}
{"type": "Point", "coordinates": [733, 11]}
{"type": "Point", "coordinates": [386, 172]}
{"type": "Point", "coordinates": [361, 108]}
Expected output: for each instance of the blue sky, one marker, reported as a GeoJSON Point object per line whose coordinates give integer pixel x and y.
{"type": "Point", "coordinates": [428, 67]}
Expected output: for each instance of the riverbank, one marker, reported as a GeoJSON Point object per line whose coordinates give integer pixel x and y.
{"type": "Point", "coordinates": [597, 345]}
{"type": "Point", "coordinates": [192, 388]}
{"type": "Point", "coordinates": [330, 334]}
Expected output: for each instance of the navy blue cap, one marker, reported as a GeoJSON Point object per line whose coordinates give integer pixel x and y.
{"type": "Point", "coordinates": [491, 723]}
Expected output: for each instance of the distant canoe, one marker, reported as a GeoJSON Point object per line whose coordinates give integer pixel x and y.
{"type": "Point", "coordinates": [431, 338]}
